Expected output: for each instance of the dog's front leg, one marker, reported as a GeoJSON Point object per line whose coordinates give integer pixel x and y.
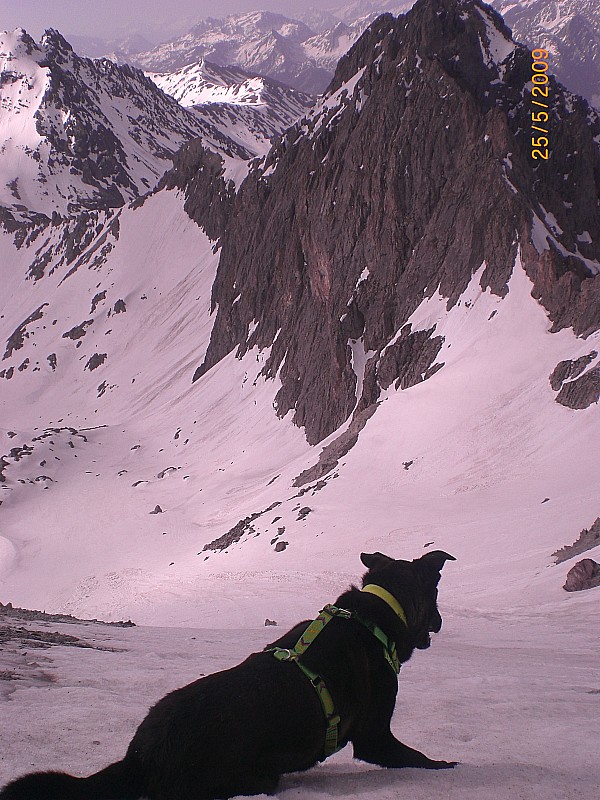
{"type": "Point", "coordinates": [386, 751]}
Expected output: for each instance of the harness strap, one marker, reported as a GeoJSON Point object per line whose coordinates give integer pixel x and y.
{"type": "Point", "coordinates": [284, 654]}
{"type": "Point", "coordinates": [389, 647]}
{"type": "Point", "coordinates": [310, 634]}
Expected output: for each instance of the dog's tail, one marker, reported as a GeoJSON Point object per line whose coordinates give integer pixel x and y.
{"type": "Point", "coordinates": [120, 781]}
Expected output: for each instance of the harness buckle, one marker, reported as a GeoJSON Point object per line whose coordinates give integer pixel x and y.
{"type": "Point", "coordinates": [283, 653]}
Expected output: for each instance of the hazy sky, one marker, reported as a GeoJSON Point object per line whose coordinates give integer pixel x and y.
{"type": "Point", "coordinates": [107, 18]}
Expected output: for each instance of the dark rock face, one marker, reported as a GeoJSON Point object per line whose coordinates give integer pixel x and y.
{"type": "Point", "coordinates": [240, 529]}
{"type": "Point", "coordinates": [78, 331]}
{"type": "Point", "coordinates": [574, 389]}
{"type": "Point", "coordinates": [96, 361]}
{"type": "Point", "coordinates": [581, 392]}
{"type": "Point", "coordinates": [409, 360]}
{"type": "Point", "coordinates": [97, 299]}
{"type": "Point", "coordinates": [17, 338]}
{"type": "Point", "coordinates": [414, 170]}
{"type": "Point", "coordinates": [199, 173]}
{"type": "Point", "coordinates": [567, 370]}
{"type": "Point", "coordinates": [584, 575]}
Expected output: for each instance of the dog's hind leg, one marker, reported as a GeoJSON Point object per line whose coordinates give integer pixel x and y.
{"type": "Point", "coordinates": [386, 751]}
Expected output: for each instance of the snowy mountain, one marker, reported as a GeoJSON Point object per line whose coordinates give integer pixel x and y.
{"type": "Point", "coordinates": [387, 337]}
{"type": "Point", "coordinates": [78, 133]}
{"type": "Point", "coordinates": [117, 50]}
{"type": "Point", "coordinates": [349, 12]}
{"type": "Point", "coordinates": [249, 109]}
{"type": "Point", "coordinates": [300, 52]}
{"type": "Point", "coordinates": [83, 134]}
{"type": "Point", "coordinates": [569, 29]}
{"type": "Point", "coordinates": [260, 42]}
{"type": "Point", "coordinates": [346, 209]}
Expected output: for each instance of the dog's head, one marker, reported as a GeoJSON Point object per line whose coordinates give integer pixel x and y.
{"type": "Point", "coordinates": [414, 585]}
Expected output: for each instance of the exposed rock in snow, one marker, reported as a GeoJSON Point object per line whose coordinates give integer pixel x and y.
{"type": "Point", "coordinates": [588, 539]}
{"type": "Point", "coordinates": [567, 370]}
{"type": "Point", "coordinates": [581, 392]}
{"type": "Point", "coordinates": [584, 575]}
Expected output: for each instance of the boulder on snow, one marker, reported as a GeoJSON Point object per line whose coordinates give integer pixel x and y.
{"type": "Point", "coordinates": [584, 575]}
{"type": "Point", "coordinates": [157, 510]}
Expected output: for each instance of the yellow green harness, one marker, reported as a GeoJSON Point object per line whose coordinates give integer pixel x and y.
{"type": "Point", "coordinates": [310, 634]}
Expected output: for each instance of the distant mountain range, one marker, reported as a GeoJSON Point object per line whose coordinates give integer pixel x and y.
{"type": "Point", "coordinates": [570, 29]}
{"type": "Point", "coordinates": [300, 52]}
{"type": "Point", "coordinates": [303, 51]}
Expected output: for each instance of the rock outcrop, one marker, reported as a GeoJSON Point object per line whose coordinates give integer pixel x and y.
{"type": "Point", "coordinates": [576, 390]}
{"type": "Point", "coordinates": [588, 538]}
{"type": "Point", "coordinates": [581, 392]}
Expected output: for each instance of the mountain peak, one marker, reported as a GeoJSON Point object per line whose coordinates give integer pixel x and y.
{"type": "Point", "coordinates": [15, 43]}
{"type": "Point", "coordinates": [57, 48]}
{"type": "Point", "coordinates": [80, 135]}
{"type": "Point", "coordinates": [414, 170]}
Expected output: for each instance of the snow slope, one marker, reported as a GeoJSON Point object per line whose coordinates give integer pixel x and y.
{"type": "Point", "coordinates": [513, 699]}
{"type": "Point", "coordinates": [479, 459]}
{"type": "Point", "coordinates": [127, 491]}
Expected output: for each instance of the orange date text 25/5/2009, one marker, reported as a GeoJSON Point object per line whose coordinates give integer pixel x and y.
{"type": "Point", "coordinates": [540, 106]}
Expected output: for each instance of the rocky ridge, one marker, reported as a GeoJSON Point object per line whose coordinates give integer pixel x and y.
{"type": "Point", "coordinates": [248, 110]}
{"type": "Point", "coordinates": [87, 134]}
{"type": "Point", "coordinates": [413, 171]}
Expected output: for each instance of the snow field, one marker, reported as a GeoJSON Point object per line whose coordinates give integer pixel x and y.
{"type": "Point", "coordinates": [514, 700]}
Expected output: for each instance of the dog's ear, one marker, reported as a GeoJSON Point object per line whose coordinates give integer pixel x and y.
{"type": "Point", "coordinates": [373, 560]}
{"type": "Point", "coordinates": [434, 560]}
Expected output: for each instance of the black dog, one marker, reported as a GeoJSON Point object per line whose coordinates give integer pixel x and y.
{"type": "Point", "coordinates": [320, 686]}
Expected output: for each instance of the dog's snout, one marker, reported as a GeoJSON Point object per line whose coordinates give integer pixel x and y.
{"type": "Point", "coordinates": [436, 623]}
